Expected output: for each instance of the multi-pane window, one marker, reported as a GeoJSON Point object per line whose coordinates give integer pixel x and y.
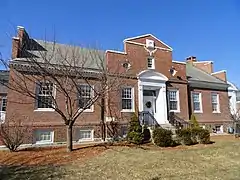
{"type": "Point", "coordinates": [85, 95]}
{"type": "Point", "coordinates": [215, 102]}
{"type": "Point", "coordinates": [173, 100]}
{"type": "Point", "coordinates": [150, 63]}
{"type": "Point", "coordinates": [4, 104]}
{"type": "Point", "coordinates": [127, 98]}
{"type": "Point", "coordinates": [196, 96]}
{"type": "Point", "coordinates": [44, 136]}
{"type": "Point", "coordinates": [85, 134]}
{"type": "Point", "coordinates": [45, 95]}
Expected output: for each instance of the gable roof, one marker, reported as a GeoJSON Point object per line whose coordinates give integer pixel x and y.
{"type": "Point", "coordinates": [197, 76]}
{"type": "Point", "coordinates": [57, 53]}
{"type": "Point", "coordinates": [146, 35]}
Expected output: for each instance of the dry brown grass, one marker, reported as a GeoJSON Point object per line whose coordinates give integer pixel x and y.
{"type": "Point", "coordinates": [220, 160]}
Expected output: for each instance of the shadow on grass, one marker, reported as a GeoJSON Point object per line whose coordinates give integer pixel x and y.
{"type": "Point", "coordinates": [105, 145]}
{"type": "Point", "coordinates": [30, 172]}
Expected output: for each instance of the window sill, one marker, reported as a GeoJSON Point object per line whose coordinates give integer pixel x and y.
{"type": "Point", "coordinates": [175, 111]}
{"type": "Point", "coordinates": [127, 110]}
{"type": "Point", "coordinates": [44, 109]}
{"type": "Point", "coordinates": [216, 112]}
{"type": "Point", "coordinates": [198, 112]}
{"type": "Point", "coordinates": [87, 110]}
{"type": "Point", "coordinates": [44, 142]}
{"type": "Point", "coordinates": [85, 140]}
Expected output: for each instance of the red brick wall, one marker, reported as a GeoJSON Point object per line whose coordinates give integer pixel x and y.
{"type": "Point", "coordinates": [208, 115]}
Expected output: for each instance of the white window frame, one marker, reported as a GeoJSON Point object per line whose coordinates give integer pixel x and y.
{"type": "Point", "coordinates": [132, 98]}
{"type": "Point", "coordinates": [86, 139]}
{"type": "Point", "coordinates": [91, 109]}
{"type": "Point", "coordinates": [200, 102]}
{"type": "Point", "coordinates": [54, 96]}
{"type": "Point", "coordinates": [39, 131]}
{"type": "Point", "coordinates": [152, 62]}
{"type": "Point", "coordinates": [3, 98]}
{"type": "Point", "coordinates": [177, 99]}
{"type": "Point", "coordinates": [218, 104]}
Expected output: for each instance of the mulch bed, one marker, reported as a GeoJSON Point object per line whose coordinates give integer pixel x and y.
{"type": "Point", "coordinates": [49, 155]}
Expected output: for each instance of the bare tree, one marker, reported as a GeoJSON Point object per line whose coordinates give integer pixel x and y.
{"type": "Point", "coordinates": [235, 116]}
{"type": "Point", "coordinates": [60, 69]}
{"type": "Point", "coordinates": [13, 132]}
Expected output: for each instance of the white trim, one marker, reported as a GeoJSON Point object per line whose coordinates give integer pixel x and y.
{"type": "Point", "coordinates": [152, 62]}
{"type": "Point", "coordinates": [114, 51]}
{"type": "Point", "coordinates": [145, 35]}
{"type": "Point", "coordinates": [161, 77]}
{"type": "Point", "coordinates": [178, 100]}
{"type": "Point", "coordinates": [91, 109]}
{"type": "Point", "coordinates": [218, 103]}
{"type": "Point", "coordinates": [54, 92]}
{"type": "Point", "coordinates": [20, 27]}
{"type": "Point", "coordinates": [200, 101]}
{"type": "Point", "coordinates": [133, 100]}
{"type": "Point", "coordinates": [218, 72]}
{"type": "Point", "coordinates": [179, 62]}
{"type": "Point", "coordinates": [141, 44]}
{"type": "Point", "coordinates": [44, 110]}
{"type": "Point", "coordinates": [87, 139]}
{"type": "Point", "coordinates": [203, 62]}
{"type": "Point", "coordinates": [38, 131]}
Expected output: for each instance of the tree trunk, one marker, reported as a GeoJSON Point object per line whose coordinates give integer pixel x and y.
{"type": "Point", "coordinates": [69, 138]}
{"type": "Point", "coordinates": [103, 119]}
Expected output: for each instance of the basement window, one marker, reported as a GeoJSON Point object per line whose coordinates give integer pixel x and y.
{"type": "Point", "coordinates": [44, 136]}
{"type": "Point", "coordinates": [86, 135]}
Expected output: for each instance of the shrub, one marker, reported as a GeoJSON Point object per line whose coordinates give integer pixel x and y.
{"type": "Point", "coordinates": [204, 136]}
{"type": "Point", "coordinates": [162, 137]}
{"type": "Point", "coordinates": [135, 134]}
{"type": "Point", "coordinates": [193, 121]}
{"type": "Point", "coordinates": [195, 135]}
{"type": "Point", "coordinates": [146, 134]}
{"type": "Point", "coordinates": [185, 136]}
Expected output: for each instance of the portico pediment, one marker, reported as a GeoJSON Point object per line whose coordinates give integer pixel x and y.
{"type": "Point", "coordinates": [152, 75]}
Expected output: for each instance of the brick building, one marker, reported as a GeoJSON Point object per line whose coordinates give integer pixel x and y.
{"type": "Point", "coordinates": [155, 87]}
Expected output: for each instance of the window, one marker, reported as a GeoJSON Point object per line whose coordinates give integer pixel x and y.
{"type": "Point", "coordinates": [215, 103]}
{"type": "Point", "coordinates": [45, 95]}
{"type": "Point", "coordinates": [44, 136]}
{"type": "Point", "coordinates": [127, 99]}
{"type": "Point", "coordinates": [173, 99]}
{"type": "Point", "coordinates": [237, 96]}
{"type": "Point", "coordinates": [150, 62]}
{"type": "Point", "coordinates": [85, 96]}
{"type": "Point", "coordinates": [4, 104]}
{"type": "Point", "coordinates": [197, 102]}
{"type": "Point", "coordinates": [86, 135]}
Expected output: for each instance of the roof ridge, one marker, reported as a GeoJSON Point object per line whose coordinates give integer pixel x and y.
{"type": "Point", "coordinates": [70, 45]}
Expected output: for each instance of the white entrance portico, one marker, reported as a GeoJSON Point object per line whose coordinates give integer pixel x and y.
{"type": "Point", "coordinates": [152, 94]}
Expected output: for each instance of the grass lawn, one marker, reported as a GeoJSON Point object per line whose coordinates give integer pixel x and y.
{"type": "Point", "coordinates": [220, 160]}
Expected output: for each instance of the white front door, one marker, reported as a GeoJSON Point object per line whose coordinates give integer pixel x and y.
{"type": "Point", "coordinates": [149, 101]}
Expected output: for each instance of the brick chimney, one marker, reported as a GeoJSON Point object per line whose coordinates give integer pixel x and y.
{"type": "Point", "coordinates": [206, 66]}
{"type": "Point", "coordinates": [17, 42]}
{"type": "Point", "coordinates": [191, 59]}
{"type": "Point", "coordinates": [220, 75]}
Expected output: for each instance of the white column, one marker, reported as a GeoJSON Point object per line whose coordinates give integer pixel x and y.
{"type": "Point", "coordinates": [164, 104]}
{"type": "Point", "coordinates": [140, 97]}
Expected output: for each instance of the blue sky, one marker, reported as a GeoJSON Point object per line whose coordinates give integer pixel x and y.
{"type": "Point", "coordinates": [207, 29]}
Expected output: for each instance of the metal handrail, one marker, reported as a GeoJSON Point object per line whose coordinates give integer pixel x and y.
{"type": "Point", "coordinates": [178, 122]}
{"type": "Point", "coordinates": [146, 118]}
